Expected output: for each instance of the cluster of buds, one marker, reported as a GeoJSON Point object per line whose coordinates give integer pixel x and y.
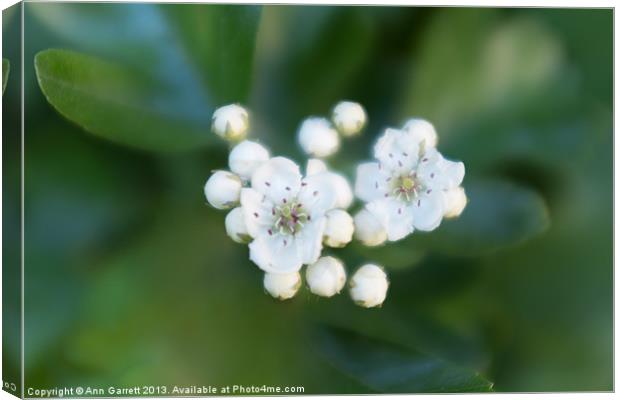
{"type": "Point", "coordinates": [287, 218]}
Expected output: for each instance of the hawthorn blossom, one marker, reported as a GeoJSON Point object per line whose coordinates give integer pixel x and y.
{"type": "Point", "coordinates": [285, 215]}
{"type": "Point", "coordinates": [407, 188]}
{"type": "Point", "coordinates": [230, 122]}
{"type": "Point", "coordinates": [349, 118]}
{"type": "Point", "coordinates": [369, 286]}
{"type": "Point", "coordinates": [317, 137]}
{"type": "Point", "coordinates": [326, 277]}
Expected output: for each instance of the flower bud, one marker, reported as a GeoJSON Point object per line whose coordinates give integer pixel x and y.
{"type": "Point", "coordinates": [454, 201]}
{"type": "Point", "coordinates": [368, 286]}
{"type": "Point", "coordinates": [235, 226]}
{"type": "Point", "coordinates": [315, 166]}
{"type": "Point", "coordinates": [246, 157]}
{"type": "Point", "coordinates": [338, 228]}
{"type": "Point", "coordinates": [282, 286]}
{"type": "Point", "coordinates": [368, 229]}
{"type": "Point", "coordinates": [231, 122]}
{"type": "Point", "coordinates": [349, 118]}
{"type": "Point", "coordinates": [317, 137]}
{"type": "Point", "coordinates": [223, 190]}
{"type": "Point", "coordinates": [421, 130]}
{"type": "Point", "coordinates": [326, 277]}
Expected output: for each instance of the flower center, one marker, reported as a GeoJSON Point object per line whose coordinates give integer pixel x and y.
{"type": "Point", "coordinates": [289, 218]}
{"type": "Point", "coordinates": [407, 187]}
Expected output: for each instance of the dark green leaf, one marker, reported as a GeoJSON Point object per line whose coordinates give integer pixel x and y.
{"type": "Point", "coordinates": [116, 102]}
{"type": "Point", "coordinates": [5, 73]}
{"type": "Point", "coordinates": [498, 214]}
{"type": "Point", "coordinates": [178, 64]}
{"type": "Point", "coordinates": [389, 368]}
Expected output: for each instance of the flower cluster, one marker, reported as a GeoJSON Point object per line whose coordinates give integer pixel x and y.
{"type": "Point", "coordinates": [287, 218]}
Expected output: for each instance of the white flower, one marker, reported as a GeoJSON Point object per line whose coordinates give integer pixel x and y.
{"type": "Point", "coordinates": [338, 229]}
{"type": "Point", "coordinates": [285, 215]}
{"type": "Point", "coordinates": [326, 277]}
{"type": "Point", "coordinates": [282, 286]}
{"type": "Point", "coordinates": [368, 286]}
{"type": "Point", "coordinates": [368, 229]}
{"type": "Point", "coordinates": [420, 129]}
{"type": "Point", "coordinates": [235, 226]}
{"type": "Point", "coordinates": [246, 157]}
{"type": "Point", "coordinates": [349, 117]}
{"type": "Point", "coordinates": [230, 122]}
{"type": "Point", "coordinates": [454, 202]}
{"type": "Point", "coordinates": [340, 184]}
{"type": "Point", "coordinates": [222, 190]}
{"type": "Point", "coordinates": [405, 189]}
{"type": "Point", "coordinates": [317, 137]}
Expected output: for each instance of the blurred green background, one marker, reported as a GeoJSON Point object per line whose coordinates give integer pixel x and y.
{"type": "Point", "coordinates": [130, 278]}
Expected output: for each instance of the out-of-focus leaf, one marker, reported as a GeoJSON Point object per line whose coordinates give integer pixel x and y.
{"type": "Point", "coordinates": [389, 368]}
{"type": "Point", "coordinates": [115, 102]}
{"type": "Point", "coordinates": [498, 214]}
{"type": "Point", "coordinates": [221, 40]}
{"type": "Point", "coordinates": [5, 73]}
{"type": "Point", "coordinates": [184, 59]}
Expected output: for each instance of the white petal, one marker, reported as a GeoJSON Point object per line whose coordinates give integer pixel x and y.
{"type": "Point", "coordinates": [309, 240]}
{"type": "Point", "coordinates": [427, 211]}
{"type": "Point", "coordinates": [279, 179]}
{"type": "Point", "coordinates": [438, 173]}
{"type": "Point", "coordinates": [326, 277]}
{"type": "Point", "coordinates": [235, 226]}
{"type": "Point", "coordinates": [342, 190]}
{"type": "Point", "coordinates": [394, 216]}
{"type": "Point", "coordinates": [222, 190]}
{"type": "Point", "coordinates": [369, 286]}
{"type": "Point", "coordinates": [422, 131]}
{"type": "Point", "coordinates": [397, 151]}
{"type": "Point", "coordinates": [231, 122]}
{"type": "Point", "coordinates": [317, 195]}
{"type": "Point", "coordinates": [370, 181]}
{"type": "Point", "coordinates": [349, 117]}
{"type": "Point", "coordinates": [275, 253]}
{"type": "Point", "coordinates": [257, 211]}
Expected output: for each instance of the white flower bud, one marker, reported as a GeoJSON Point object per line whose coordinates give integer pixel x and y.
{"type": "Point", "coordinates": [246, 157]}
{"type": "Point", "coordinates": [235, 226]}
{"type": "Point", "coordinates": [455, 201]}
{"type": "Point", "coordinates": [338, 228]}
{"type": "Point", "coordinates": [326, 277]}
{"type": "Point", "coordinates": [342, 188]}
{"type": "Point", "coordinates": [421, 130]}
{"type": "Point", "coordinates": [315, 166]}
{"type": "Point", "coordinates": [317, 137]}
{"type": "Point", "coordinates": [349, 118]}
{"type": "Point", "coordinates": [369, 286]}
{"type": "Point", "coordinates": [282, 286]}
{"type": "Point", "coordinates": [223, 190]}
{"type": "Point", "coordinates": [231, 122]}
{"type": "Point", "coordinates": [368, 229]}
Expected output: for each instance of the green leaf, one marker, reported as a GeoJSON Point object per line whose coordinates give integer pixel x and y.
{"type": "Point", "coordinates": [221, 41]}
{"type": "Point", "coordinates": [389, 368]}
{"type": "Point", "coordinates": [5, 73]}
{"type": "Point", "coordinates": [498, 214]}
{"type": "Point", "coordinates": [176, 63]}
{"type": "Point", "coordinates": [116, 102]}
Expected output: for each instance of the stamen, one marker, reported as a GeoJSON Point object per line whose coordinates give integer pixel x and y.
{"type": "Point", "coordinates": [316, 193]}
{"type": "Point", "coordinates": [256, 215]}
{"type": "Point", "coordinates": [270, 232]}
{"type": "Point", "coordinates": [287, 188]}
{"type": "Point", "coordinates": [267, 183]}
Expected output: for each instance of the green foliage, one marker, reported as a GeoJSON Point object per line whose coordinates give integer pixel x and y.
{"type": "Point", "coordinates": [115, 102]}
{"type": "Point", "coordinates": [5, 73]}
{"type": "Point", "coordinates": [389, 368]}
{"type": "Point", "coordinates": [151, 75]}
{"type": "Point", "coordinates": [132, 279]}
